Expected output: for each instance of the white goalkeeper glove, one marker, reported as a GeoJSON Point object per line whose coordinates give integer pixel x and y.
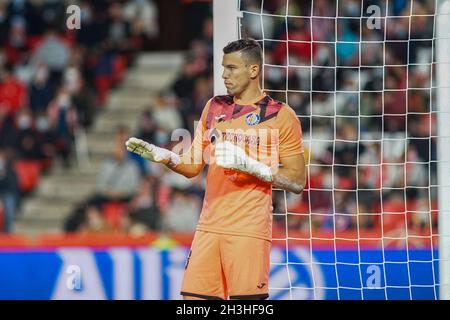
{"type": "Point", "coordinates": [231, 156]}
{"type": "Point", "coordinates": [152, 153]}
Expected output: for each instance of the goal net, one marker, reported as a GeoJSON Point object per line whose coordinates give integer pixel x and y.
{"type": "Point", "coordinates": [369, 83]}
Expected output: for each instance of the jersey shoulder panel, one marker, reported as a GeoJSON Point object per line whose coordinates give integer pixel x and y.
{"type": "Point", "coordinates": [269, 108]}
{"type": "Point", "coordinates": [216, 105]}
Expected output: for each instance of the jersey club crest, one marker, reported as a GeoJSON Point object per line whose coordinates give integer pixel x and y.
{"type": "Point", "coordinates": [252, 119]}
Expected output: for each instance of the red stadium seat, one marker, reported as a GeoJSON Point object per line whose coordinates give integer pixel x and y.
{"type": "Point", "coordinates": [28, 174]}
{"type": "Point", "coordinates": [2, 218]}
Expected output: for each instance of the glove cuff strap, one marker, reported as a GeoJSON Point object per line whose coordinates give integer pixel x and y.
{"type": "Point", "coordinates": [174, 160]}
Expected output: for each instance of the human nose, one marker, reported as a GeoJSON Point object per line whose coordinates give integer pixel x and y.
{"type": "Point", "coordinates": [225, 74]}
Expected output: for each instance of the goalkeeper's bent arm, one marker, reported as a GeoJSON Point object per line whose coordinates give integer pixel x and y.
{"type": "Point", "coordinates": [188, 164]}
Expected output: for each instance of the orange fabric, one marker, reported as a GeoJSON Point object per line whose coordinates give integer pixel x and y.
{"type": "Point", "coordinates": [238, 203]}
{"type": "Point", "coordinates": [223, 266]}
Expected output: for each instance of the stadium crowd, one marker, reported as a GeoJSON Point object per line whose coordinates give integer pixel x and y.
{"type": "Point", "coordinates": [53, 81]}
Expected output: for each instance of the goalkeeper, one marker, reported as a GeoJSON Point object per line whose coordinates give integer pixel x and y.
{"type": "Point", "coordinates": [230, 253]}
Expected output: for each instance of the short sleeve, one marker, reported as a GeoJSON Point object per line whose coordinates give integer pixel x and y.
{"type": "Point", "coordinates": [291, 137]}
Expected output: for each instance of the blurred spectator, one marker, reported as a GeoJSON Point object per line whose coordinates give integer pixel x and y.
{"type": "Point", "coordinates": [62, 116]}
{"type": "Point", "coordinates": [146, 127]}
{"type": "Point", "coordinates": [143, 207]}
{"type": "Point", "coordinates": [53, 51]}
{"type": "Point", "coordinates": [146, 130]}
{"type": "Point", "coordinates": [12, 91]}
{"type": "Point", "coordinates": [119, 29]}
{"type": "Point", "coordinates": [184, 84]}
{"type": "Point", "coordinates": [166, 114]}
{"type": "Point", "coordinates": [17, 42]}
{"type": "Point", "coordinates": [53, 81]}
{"type": "Point", "coordinates": [354, 158]}
{"type": "Point", "coordinates": [94, 222]}
{"type": "Point", "coordinates": [41, 90]}
{"type": "Point", "coordinates": [9, 190]}
{"type": "Point", "coordinates": [143, 16]}
{"type": "Point", "coordinates": [27, 144]}
{"type": "Point", "coordinates": [8, 132]}
{"type": "Point", "coordinates": [3, 21]}
{"type": "Point", "coordinates": [117, 179]}
{"type": "Point", "coordinates": [348, 154]}
{"type": "Point", "coordinates": [252, 22]}
{"type": "Point", "coordinates": [75, 219]}
{"type": "Point", "coordinates": [46, 140]}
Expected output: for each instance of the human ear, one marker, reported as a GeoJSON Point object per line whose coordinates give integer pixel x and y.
{"type": "Point", "coordinates": [254, 71]}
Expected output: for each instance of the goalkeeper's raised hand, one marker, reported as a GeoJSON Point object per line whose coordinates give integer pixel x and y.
{"type": "Point", "coordinates": [152, 153]}
{"type": "Point", "coordinates": [231, 156]}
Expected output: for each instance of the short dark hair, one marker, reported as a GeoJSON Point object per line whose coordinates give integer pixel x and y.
{"type": "Point", "coordinates": [250, 49]}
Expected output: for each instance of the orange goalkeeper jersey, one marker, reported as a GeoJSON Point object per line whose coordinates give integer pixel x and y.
{"type": "Point", "coordinates": [238, 203]}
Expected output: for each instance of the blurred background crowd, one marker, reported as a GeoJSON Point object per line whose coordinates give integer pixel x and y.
{"type": "Point", "coordinates": [365, 110]}
{"type": "Point", "coordinates": [53, 81]}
